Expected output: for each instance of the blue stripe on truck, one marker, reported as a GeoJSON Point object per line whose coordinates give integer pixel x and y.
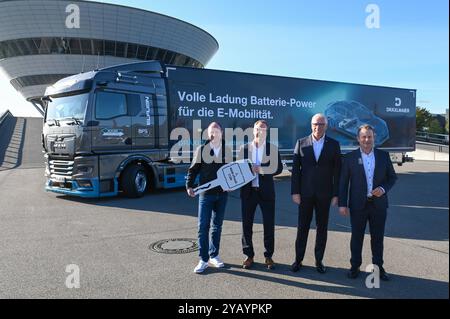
{"type": "Point", "coordinates": [86, 192]}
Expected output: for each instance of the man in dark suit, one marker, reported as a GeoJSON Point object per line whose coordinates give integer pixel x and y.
{"type": "Point", "coordinates": [261, 191]}
{"type": "Point", "coordinates": [314, 186]}
{"type": "Point", "coordinates": [370, 175]}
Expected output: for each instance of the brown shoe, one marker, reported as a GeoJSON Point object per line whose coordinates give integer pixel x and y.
{"type": "Point", "coordinates": [248, 262]}
{"type": "Point", "coordinates": [269, 263]}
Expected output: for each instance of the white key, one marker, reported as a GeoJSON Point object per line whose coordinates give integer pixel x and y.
{"type": "Point", "coordinates": [230, 177]}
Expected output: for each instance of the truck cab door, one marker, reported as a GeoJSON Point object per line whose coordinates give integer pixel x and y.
{"type": "Point", "coordinates": [143, 121]}
{"type": "Point", "coordinates": [150, 127]}
{"type": "Point", "coordinates": [162, 130]}
{"type": "Point", "coordinates": [111, 125]}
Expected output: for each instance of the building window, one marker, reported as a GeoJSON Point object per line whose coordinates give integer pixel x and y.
{"type": "Point", "coordinates": [170, 57]}
{"type": "Point", "coordinates": [55, 46]}
{"type": "Point", "coordinates": [14, 49]}
{"type": "Point", "coordinates": [110, 48]}
{"type": "Point", "coordinates": [23, 47]}
{"type": "Point", "coordinates": [65, 45]}
{"type": "Point", "coordinates": [132, 51]}
{"type": "Point", "coordinates": [45, 44]}
{"type": "Point", "coordinates": [161, 54]}
{"type": "Point", "coordinates": [74, 46]}
{"type": "Point", "coordinates": [151, 54]}
{"type": "Point", "coordinates": [142, 52]}
{"type": "Point", "coordinates": [120, 49]}
{"type": "Point", "coordinates": [86, 46]}
{"type": "Point", "coordinates": [98, 47]}
{"type": "Point", "coordinates": [40, 79]}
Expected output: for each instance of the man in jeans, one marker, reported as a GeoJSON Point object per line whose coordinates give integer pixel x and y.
{"type": "Point", "coordinates": [208, 158]}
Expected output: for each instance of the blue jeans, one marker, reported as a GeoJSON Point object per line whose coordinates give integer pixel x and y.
{"type": "Point", "coordinates": [210, 208]}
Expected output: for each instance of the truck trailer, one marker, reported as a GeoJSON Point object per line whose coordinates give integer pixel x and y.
{"type": "Point", "coordinates": [113, 130]}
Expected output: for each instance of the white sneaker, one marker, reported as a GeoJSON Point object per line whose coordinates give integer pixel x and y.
{"type": "Point", "coordinates": [216, 262]}
{"type": "Point", "coordinates": [202, 265]}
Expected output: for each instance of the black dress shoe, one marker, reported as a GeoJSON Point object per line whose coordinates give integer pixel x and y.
{"type": "Point", "coordinates": [384, 275]}
{"type": "Point", "coordinates": [296, 266]}
{"type": "Point", "coordinates": [353, 273]}
{"type": "Point", "coordinates": [320, 267]}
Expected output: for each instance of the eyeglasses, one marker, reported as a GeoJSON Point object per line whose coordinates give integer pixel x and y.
{"type": "Point", "coordinates": [318, 124]}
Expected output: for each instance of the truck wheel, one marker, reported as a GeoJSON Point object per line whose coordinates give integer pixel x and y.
{"type": "Point", "coordinates": [134, 181]}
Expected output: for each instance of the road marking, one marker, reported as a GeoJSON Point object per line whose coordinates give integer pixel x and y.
{"type": "Point", "coordinates": [412, 206]}
{"type": "Point", "coordinates": [433, 249]}
{"type": "Point", "coordinates": [345, 226]}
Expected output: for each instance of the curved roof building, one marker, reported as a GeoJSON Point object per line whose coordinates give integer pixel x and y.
{"type": "Point", "coordinates": [42, 41]}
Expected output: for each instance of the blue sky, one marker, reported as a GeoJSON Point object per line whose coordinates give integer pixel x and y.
{"type": "Point", "coordinates": [328, 40]}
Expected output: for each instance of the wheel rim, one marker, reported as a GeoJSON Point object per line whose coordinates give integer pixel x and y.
{"type": "Point", "coordinates": [140, 181]}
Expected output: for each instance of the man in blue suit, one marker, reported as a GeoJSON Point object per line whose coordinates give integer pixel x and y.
{"type": "Point", "coordinates": [370, 174]}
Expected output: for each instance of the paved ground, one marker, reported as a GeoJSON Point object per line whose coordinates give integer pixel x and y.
{"type": "Point", "coordinates": [41, 233]}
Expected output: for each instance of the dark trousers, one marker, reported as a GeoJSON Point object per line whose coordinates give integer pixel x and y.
{"type": "Point", "coordinates": [377, 221]}
{"type": "Point", "coordinates": [248, 206]}
{"type": "Point", "coordinates": [307, 206]}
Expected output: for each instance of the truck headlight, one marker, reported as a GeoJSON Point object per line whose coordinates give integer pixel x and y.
{"type": "Point", "coordinates": [84, 169]}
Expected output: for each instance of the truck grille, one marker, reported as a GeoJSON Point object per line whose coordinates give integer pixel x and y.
{"type": "Point", "coordinates": [61, 168]}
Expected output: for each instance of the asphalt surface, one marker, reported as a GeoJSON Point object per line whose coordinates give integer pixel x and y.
{"type": "Point", "coordinates": [108, 239]}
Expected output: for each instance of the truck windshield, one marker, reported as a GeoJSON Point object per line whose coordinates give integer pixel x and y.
{"type": "Point", "coordinates": [67, 107]}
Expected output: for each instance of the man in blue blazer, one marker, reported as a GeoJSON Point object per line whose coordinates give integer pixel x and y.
{"type": "Point", "coordinates": [367, 175]}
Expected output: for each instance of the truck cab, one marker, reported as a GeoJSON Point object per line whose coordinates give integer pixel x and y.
{"type": "Point", "coordinates": [106, 131]}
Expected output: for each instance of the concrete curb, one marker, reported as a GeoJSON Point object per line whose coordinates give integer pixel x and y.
{"type": "Point", "coordinates": [424, 155]}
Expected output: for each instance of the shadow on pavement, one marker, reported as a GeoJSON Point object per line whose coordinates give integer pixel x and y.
{"type": "Point", "coordinates": [11, 142]}
{"type": "Point", "coordinates": [418, 206]}
{"type": "Point", "coordinates": [336, 282]}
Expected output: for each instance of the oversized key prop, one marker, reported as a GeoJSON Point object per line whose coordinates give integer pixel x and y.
{"type": "Point", "coordinates": [230, 177]}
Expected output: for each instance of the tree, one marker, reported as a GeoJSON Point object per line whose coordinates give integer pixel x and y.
{"type": "Point", "coordinates": [435, 127]}
{"type": "Point", "coordinates": [423, 118]}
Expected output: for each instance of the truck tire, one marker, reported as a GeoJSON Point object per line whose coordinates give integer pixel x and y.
{"type": "Point", "coordinates": [134, 181]}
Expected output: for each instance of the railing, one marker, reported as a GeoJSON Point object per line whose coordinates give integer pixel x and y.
{"type": "Point", "coordinates": [434, 147]}
{"type": "Point", "coordinates": [432, 137]}
{"type": "Point", "coordinates": [4, 116]}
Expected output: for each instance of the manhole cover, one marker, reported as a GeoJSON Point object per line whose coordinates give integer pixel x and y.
{"type": "Point", "coordinates": [175, 246]}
